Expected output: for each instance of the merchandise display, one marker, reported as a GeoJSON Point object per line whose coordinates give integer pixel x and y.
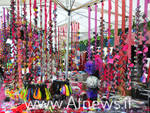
{"type": "Point", "coordinates": [74, 56]}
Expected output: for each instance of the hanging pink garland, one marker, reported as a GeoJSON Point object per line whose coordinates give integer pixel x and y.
{"type": "Point", "coordinates": [71, 46]}
{"type": "Point", "coordinates": [55, 32]}
{"type": "Point", "coordinates": [19, 46]}
{"type": "Point", "coordinates": [102, 28]}
{"type": "Point", "coordinates": [1, 41]}
{"type": "Point", "coordinates": [89, 33]}
{"type": "Point", "coordinates": [45, 37]}
{"type": "Point", "coordinates": [50, 36]}
{"type": "Point", "coordinates": [95, 28]}
{"type": "Point", "coordinates": [41, 37]}
{"type": "Point", "coordinates": [116, 23]}
{"type": "Point", "coordinates": [35, 38]}
{"type": "Point", "coordinates": [4, 23]}
{"type": "Point", "coordinates": [129, 43]}
{"type": "Point", "coordinates": [30, 41]}
{"type": "Point", "coordinates": [108, 49]}
{"type": "Point", "coordinates": [123, 17]}
{"type": "Point", "coordinates": [12, 35]}
{"type": "Point", "coordinates": [137, 38]}
{"type": "Point", "coordinates": [25, 35]}
{"type": "Point", "coordinates": [145, 48]}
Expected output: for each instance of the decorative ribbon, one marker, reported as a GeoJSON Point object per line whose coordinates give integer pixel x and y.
{"type": "Point", "coordinates": [55, 32]}
{"type": "Point", "coordinates": [19, 44]}
{"type": "Point", "coordinates": [41, 37]}
{"type": "Point", "coordinates": [30, 41]}
{"type": "Point", "coordinates": [18, 10]}
{"type": "Point", "coordinates": [95, 28]}
{"type": "Point", "coordinates": [144, 43]}
{"type": "Point", "coordinates": [102, 28]}
{"type": "Point", "coordinates": [108, 50]}
{"type": "Point", "coordinates": [25, 35]}
{"type": "Point", "coordinates": [71, 46]}
{"type": "Point", "coordinates": [4, 23]}
{"type": "Point", "coordinates": [12, 35]}
{"type": "Point", "coordinates": [8, 18]}
{"type": "Point", "coordinates": [50, 36]}
{"type": "Point", "coordinates": [129, 43]}
{"type": "Point", "coordinates": [137, 37]}
{"type": "Point", "coordinates": [20, 62]}
{"type": "Point", "coordinates": [35, 37]}
{"type": "Point", "coordinates": [130, 29]}
{"type": "Point", "coordinates": [123, 16]}
{"type": "Point", "coordinates": [89, 33]}
{"type": "Point", "coordinates": [146, 7]}
{"type": "Point", "coordinates": [45, 37]}
{"type": "Point", "coordinates": [130, 65]}
{"type": "Point", "coordinates": [116, 23]}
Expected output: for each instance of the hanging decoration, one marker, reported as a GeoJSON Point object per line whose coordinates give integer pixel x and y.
{"type": "Point", "coordinates": [123, 17]}
{"type": "Point", "coordinates": [24, 34]}
{"type": "Point", "coordinates": [95, 28]}
{"type": "Point", "coordinates": [89, 66]}
{"type": "Point", "coordinates": [55, 32]}
{"type": "Point", "coordinates": [116, 41]}
{"type": "Point", "coordinates": [41, 39]}
{"type": "Point", "coordinates": [89, 33]}
{"type": "Point", "coordinates": [45, 44]}
{"type": "Point", "coordinates": [30, 41]}
{"type": "Point", "coordinates": [145, 48]}
{"type": "Point", "coordinates": [102, 28]}
{"type": "Point", "coordinates": [38, 54]}
{"type": "Point", "coordinates": [50, 36]}
{"type": "Point", "coordinates": [129, 43]}
{"type": "Point", "coordinates": [12, 36]}
{"type": "Point", "coordinates": [138, 16]}
{"type": "Point", "coordinates": [108, 49]}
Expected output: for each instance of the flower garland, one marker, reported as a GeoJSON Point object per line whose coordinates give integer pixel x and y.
{"type": "Point", "coordinates": [102, 27]}
{"type": "Point", "coordinates": [4, 26]}
{"type": "Point", "coordinates": [45, 38]}
{"type": "Point", "coordinates": [145, 48]}
{"type": "Point", "coordinates": [50, 36]}
{"type": "Point", "coordinates": [12, 36]}
{"type": "Point", "coordinates": [30, 41]}
{"type": "Point", "coordinates": [96, 28]}
{"type": "Point", "coordinates": [19, 46]}
{"type": "Point", "coordinates": [55, 32]}
{"type": "Point", "coordinates": [108, 73]}
{"type": "Point", "coordinates": [89, 33]}
{"type": "Point", "coordinates": [138, 15]}
{"type": "Point", "coordinates": [25, 36]}
{"type": "Point", "coordinates": [36, 43]}
{"type": "Point", "coordinates": [129, 44]}
{"type": "Point", "coordinates": [41, 41]}
{"type": "Point", "coordinates": [116, 23]}
{"type": "Point", "coordinates": [123, 17]}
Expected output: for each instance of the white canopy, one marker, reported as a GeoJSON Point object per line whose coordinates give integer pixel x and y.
{"type": "Point", "coordinates": [81, 15]}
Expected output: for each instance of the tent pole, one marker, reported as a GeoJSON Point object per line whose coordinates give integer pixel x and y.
{"type": "Point", "coordinates": [67, 49]}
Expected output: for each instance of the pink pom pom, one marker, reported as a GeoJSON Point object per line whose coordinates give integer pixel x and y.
{"type": "Point", "coordinates": [125, 48]}
{"type": "Point", "coordinates": [146, 50]}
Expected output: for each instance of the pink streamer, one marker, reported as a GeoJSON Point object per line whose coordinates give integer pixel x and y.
{"type": "Point", "coordinates": [89, 33]}
{"type": "Point", "coordinates": [95, 26]}
{"type": "Point", "coordinates": [116, 23]}
{"type": "Point", "coordinates": [109, 18]}
{"type": "Point", "coordinates": [130, 29]}
{"type": "Point", "coordinates": [138, 3]}
{"type": "Point", "coordinates": [146, 7]}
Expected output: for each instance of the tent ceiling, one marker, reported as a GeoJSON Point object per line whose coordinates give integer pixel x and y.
{"type": "Point", "coordinates": [81, 15]}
